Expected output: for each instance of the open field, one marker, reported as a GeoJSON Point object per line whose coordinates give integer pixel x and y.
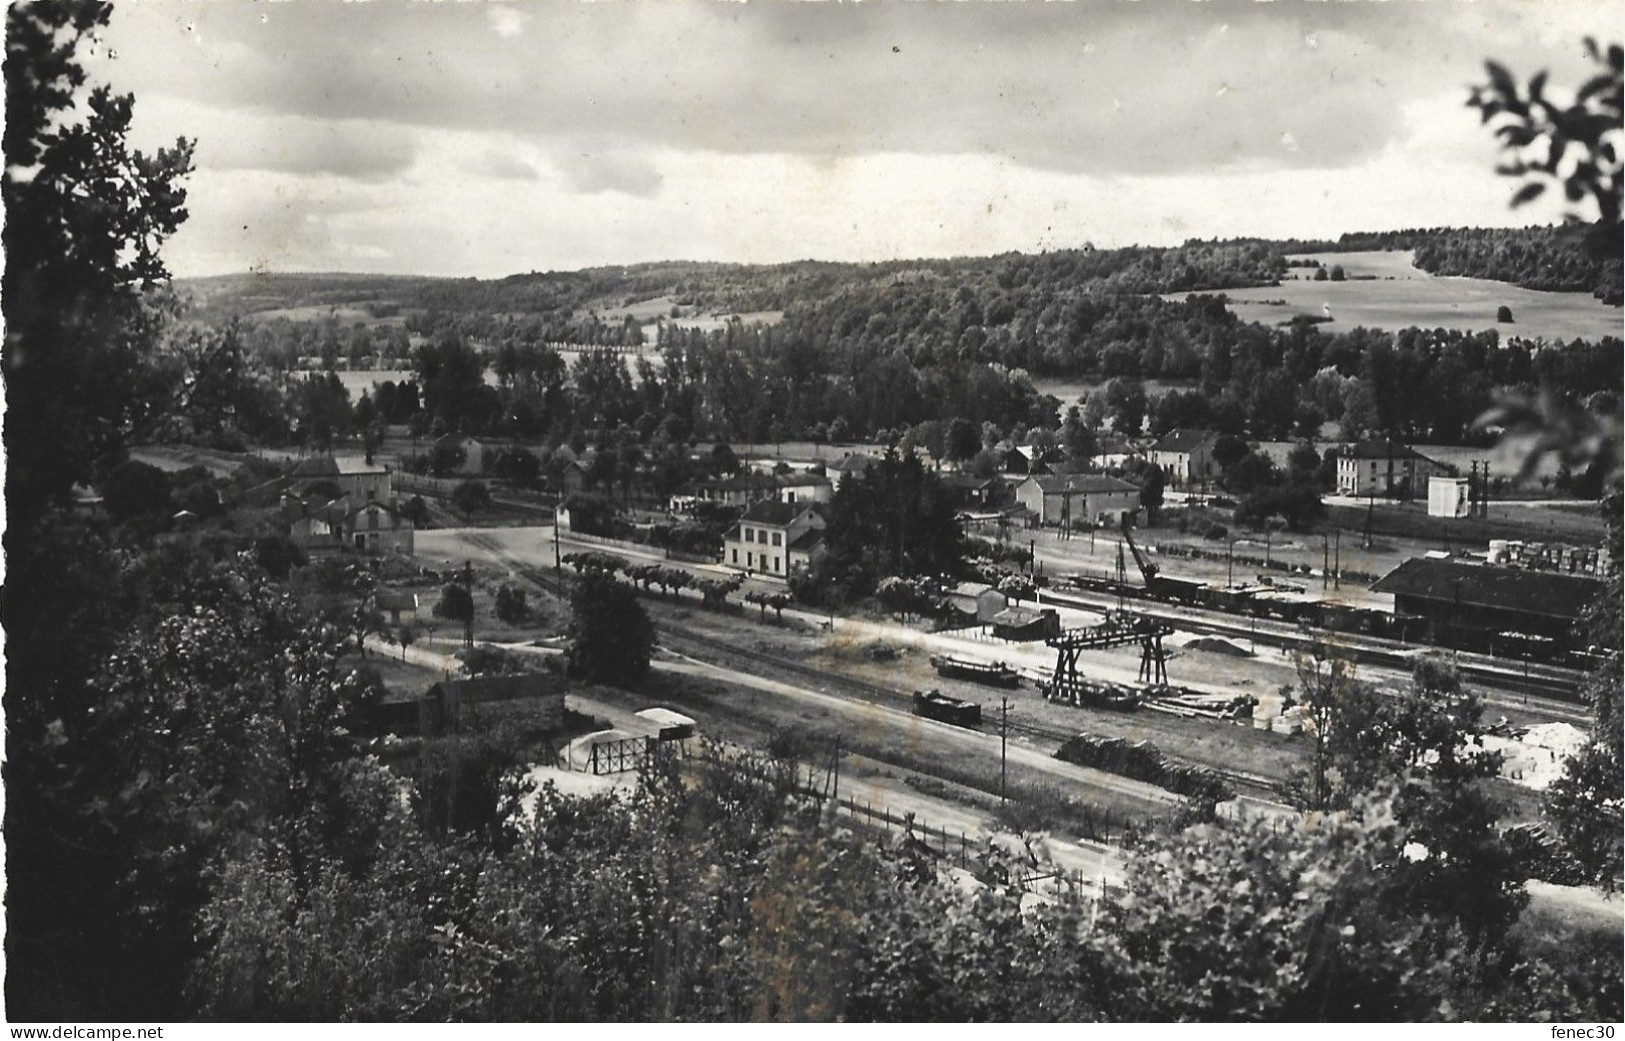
{"type": "Point", "coordinates": [1385, 291]}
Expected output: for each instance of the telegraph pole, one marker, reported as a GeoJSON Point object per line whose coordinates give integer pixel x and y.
{"type": "Point", "coordinates": [1004, 733]}
{"type": "Point", "coordinates": [468, 623]}
{"type": "Point", "coordinates": [558, 566]}
{"type": "Point", "coordinates": [1337, 559]}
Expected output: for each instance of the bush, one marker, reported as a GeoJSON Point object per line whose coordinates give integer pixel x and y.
{"type": "Point", "coordinates": [493, 661]}
{"type": "Point", "coordinates": [456, 603]}
{"type": "Point", "coordinates": [1298, 504]}
{"type": "Point", "coordinates": [278, 555]}
{"type": "Point", "coordinates": [134, 490]}
{"type": "Point", "coordinates": [1503, 314]}
{"type": "Point", "coordinates": [471, 497]}
{"type": "Point", "coordinates": [444, 460]}
{"type": "Point", "coordinates": [1216, 532]}
{"type": "Point", "coordinates": [511, 605]}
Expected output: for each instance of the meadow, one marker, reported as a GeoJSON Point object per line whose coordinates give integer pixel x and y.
{"type": "Point", "coordinates": [1385, 291]}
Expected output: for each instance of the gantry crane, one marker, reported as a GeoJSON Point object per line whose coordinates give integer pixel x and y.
{"type": "Point", "coordinates": [1118, 630]}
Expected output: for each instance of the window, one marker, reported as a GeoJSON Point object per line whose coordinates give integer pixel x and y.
{"type": "Point", "coordinates": [761, 536]}
{"type": "Point", "coordinates": [736, 557]}
{"type": "Point", "coordinates": [750, 560]}
{"type": "Point", "coordinates": [775, 564]}
{"type": "Point", "coordinates": [778, 539]}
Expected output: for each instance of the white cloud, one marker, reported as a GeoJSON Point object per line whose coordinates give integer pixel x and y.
{"type": "Point", "coordinates": [507, 20]}
{"type": "Point", "coordinates": [484, 139]}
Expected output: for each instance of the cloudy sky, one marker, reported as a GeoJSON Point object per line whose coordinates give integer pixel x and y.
{"type": "Point", "coordinates": [486, 138]}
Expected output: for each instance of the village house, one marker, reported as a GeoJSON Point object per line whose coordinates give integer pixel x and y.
{"type": "Point", "coordinates": [803, 487]}
{"type": "Point", "coordinates": [372, 527]}
{"type": "Point", "coordinates": [1113, 453]}
{"type": "Point", "coordinates": [772, 537]}
{"type": "Point", "coordinates": [574, 478]}
{"type": "Point", "coordinates": [1186, 455]}
{"type": "Point", "coordinates": [1078, 499]}
{"type": "Point", "coordinates": [1383, 467]}
{"type": "Point", "coordinates": [473, 452]}
{"type": "Point", "coordinates": [854, 465]}
{"type": "Point", "coordinates": [1023, 460]}
{"type": "Point", "coordinates": [351, 475]}
{"type": "Point", "coordinates": [968, 491]}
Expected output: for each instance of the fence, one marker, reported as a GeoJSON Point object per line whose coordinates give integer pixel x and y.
{"type": "Point", "coordinates": [954, 849]}
{"type": "Point", "coordinates": [617, 757]}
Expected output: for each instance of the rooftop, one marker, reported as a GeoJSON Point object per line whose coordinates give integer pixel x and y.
{"type": "Point", "coordinates": [778, 514]}
{"type": "Point", "coordinates": [1057, 484]}
{"type": "Point", "coordinates": [1546, 593]}
{"type": "Point", "coordinates": [502, 688]}
{"type": "Point", "coordinates": [318, 466]}
{"type": "Point", "coordinates": [1381, 448]}
{"type": "Point", "coordinates": [1181, 440]}
{"type": "Point", "coordinates": [807, 540]}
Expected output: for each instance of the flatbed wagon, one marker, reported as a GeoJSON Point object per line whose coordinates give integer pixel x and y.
{"type": "Point", "coordinates": [997, 674]}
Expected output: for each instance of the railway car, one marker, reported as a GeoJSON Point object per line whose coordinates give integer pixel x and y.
{"type": "Point", "coordinates": [997, 674]}
{"type": "Point", "coordinates": [932, 704]}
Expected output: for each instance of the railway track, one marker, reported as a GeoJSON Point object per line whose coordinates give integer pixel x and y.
{"type": "Point", "coordinates": [713, 649]}
{"type": "Point", "coordinates": [1546, 689]}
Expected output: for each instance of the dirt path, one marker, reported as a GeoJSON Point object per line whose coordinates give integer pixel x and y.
{"type": "Point", "coordinates": [927, 731]}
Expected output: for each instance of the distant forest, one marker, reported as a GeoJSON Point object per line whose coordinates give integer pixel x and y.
{"type": "Point", "coordinates": [875, 349]}
{"type": "Point", "coordinates": [1555, 259]}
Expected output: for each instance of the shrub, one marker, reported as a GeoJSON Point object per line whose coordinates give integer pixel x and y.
{"type": "Point", "coordinates": [511, 605]}
{"type": "Point", "coordinates": [456, 603]}
{"type": "Point", "coordinates": [471, 496]}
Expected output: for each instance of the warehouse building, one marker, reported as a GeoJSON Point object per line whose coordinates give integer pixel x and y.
{"type": "Point", "coordinates": [1451, 596]}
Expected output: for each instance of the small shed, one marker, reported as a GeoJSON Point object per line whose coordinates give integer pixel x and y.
{"type": "Point", "coordinates": [1448, 497]}
{"type": "Point", "coordinates": [400, 607]}
{"type": "Point", "coordinates": [1026, 624]}
{"type": "Point", "coordinates": [983, 601]}
{"type": "Point", "coordinates": [449, 698]}
{"type": "Point", "coordinates": [668, 725]}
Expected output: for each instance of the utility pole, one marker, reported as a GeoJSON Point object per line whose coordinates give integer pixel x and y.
{"type": "Point", "coordinates": [837, 770]}
{"type": "Point", "coordinates": [1337, 559]}
{"type": "Point", "coordinates": [1325, 561]}
{"type": "Point", "coordinates": [558, 564]}
{"type": "Point", "coordinates": [468, 623]}
{"type": "Point", "coordinates": [1004, 733]}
